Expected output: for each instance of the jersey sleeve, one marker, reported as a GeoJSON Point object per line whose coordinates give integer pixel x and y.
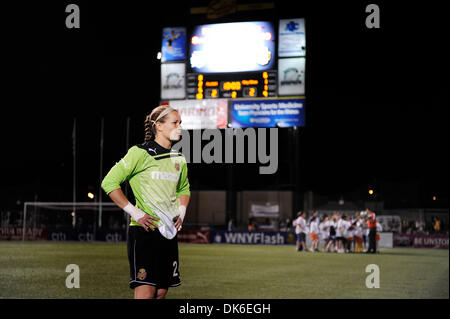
{"type": "Point", "coordinates": [127, 167]}
{"type": "Point", "coordinates": [183, 183]}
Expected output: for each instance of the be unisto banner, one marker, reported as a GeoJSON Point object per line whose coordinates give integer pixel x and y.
{"type": "Point", "coordinates": [421, 240]}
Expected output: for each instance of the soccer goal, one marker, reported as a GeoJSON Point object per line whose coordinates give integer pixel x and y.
{"type": "Point", "coordinates": [70, 220]}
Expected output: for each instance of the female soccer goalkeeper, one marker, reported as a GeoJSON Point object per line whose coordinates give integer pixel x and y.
{"type": "Point", "coordinates": [158, 178]}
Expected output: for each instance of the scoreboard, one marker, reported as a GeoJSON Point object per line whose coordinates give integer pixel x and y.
{"type": "Point", "coordinates": [231, 60]}
{"type": "Point", "coordinates": [250, 60]}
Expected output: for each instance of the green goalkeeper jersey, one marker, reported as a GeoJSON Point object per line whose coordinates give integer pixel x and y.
{"type": "Point", "coordinates": [157, 177]}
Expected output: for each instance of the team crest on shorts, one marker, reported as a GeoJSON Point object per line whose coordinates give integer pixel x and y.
{"type": "Point", "coordinates": [142, 274]}
{"type": "Point", "coordinates": [177, 166]}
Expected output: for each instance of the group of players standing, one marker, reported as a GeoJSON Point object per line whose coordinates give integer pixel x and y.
{"type": "Point", "coordinates": [340, 233]}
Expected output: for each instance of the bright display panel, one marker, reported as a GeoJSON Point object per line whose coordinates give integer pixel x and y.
{"type": "Point", "coordinates": [232, 47]}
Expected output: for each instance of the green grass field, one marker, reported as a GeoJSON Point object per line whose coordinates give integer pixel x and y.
{"type": "Point", "coordinates": [37, 270]}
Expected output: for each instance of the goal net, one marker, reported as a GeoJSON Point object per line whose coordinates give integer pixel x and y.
{"type": "Point", "coordinates": [85, 221]}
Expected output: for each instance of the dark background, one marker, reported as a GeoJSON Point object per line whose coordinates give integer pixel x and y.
{"type": "Point", "coordinates": [376, 99]}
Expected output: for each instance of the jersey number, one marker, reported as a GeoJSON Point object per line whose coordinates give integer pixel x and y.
{"type": "Point", "coordinates": [175, 269]}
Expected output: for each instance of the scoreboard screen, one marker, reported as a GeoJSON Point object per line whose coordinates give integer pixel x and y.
{"type": "Point", "coordinates": [232, 47]}
{"type": "Point", "coordinates": [232, 60]}
{"type": "Point", "coordinates": [236, 74]}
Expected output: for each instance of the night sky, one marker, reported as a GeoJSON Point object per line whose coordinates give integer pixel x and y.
{"type": "Point", "coordinates": [376, 100]}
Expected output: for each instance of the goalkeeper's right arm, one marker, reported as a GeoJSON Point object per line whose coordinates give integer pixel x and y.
{"type": "Point", "coordinates": [123, 170]}
{"type": "Point", "coordinates": [146, 220]}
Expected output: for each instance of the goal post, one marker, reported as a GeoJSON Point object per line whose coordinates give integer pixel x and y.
{"type": "Point", "coordinates": [66, 213]}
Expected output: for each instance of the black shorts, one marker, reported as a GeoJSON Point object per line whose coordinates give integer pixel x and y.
{"type": "Point", "coordinates": [153, 259]}
{"type": "Point", "coordinates": [343, 239]}
{"type": "Point", "coordinates": [301, 237]}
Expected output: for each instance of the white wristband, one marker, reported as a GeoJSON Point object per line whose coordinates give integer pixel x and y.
{"type": "Point", "coordinates": [182, 210]}
{"type": "Point", "coordinates": [134, 212]}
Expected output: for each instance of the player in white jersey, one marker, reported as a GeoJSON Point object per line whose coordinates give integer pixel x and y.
{"type": "Point", "coordinates": [349, 234]}
{"type": "Point", "coordinates": [341, 228]}
{"type": "Point", "coordinates": [300, 231]}
{"type": "Point", "coordinates": [331, 241]}
{"type": "Point", "coordinates": [324, 230]}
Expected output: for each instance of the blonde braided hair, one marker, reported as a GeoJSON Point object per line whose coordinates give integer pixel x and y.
{"type": "Point", "coordinates": [157, 115]}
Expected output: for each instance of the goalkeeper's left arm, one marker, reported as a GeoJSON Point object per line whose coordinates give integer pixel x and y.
{"type": "Point", "coordinates": [183, 195]}
{"type": "Point", "coordinates": [183, 201]}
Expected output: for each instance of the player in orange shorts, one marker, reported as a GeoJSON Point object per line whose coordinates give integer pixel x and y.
{"type": "Point", "coordinates": [358, 234]}
{"type": "Point", "coordinates": [359, 244]}
{"type": "Point", "coordinates": [314, 234]}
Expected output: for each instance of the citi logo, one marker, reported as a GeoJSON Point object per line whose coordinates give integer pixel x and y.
{"type": "Point", "coordinates": [166, 176]}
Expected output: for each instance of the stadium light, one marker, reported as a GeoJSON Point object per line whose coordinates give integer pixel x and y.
{"type": "Point", "coordinates": [159, 55]}
{"type": "Point", "coordinates": [370, 191]}
{"type": "Point", "coordinates": [91, 195]}
{"type": "Point", "coordinates": [434, 197]}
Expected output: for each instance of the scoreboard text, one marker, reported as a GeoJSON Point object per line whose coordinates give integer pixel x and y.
{"type": "Point", "coordinates": [233, 85]}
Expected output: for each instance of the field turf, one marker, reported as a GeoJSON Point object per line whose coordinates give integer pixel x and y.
{"type": "Point", "coordinates": [37, 270]}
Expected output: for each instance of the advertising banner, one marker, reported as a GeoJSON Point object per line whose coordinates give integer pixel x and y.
{"type": "Point", "coordinates": [173, 84]}
{"type": "Point", "coordinates": [110, 235]}
{"type": "Point", "coordinates": [16, 233]}
{"type": "Point", "coordinates": [252, 238]}
{"type": "Point", "coordinates": [202, 114]}
{"type": "Point", "coordinates": [268, 113]}
{"type": "Point", "coordinates": [291, 35]}
{"type": "Point", "coordinates": [173, 44]}
{"type": "Point", "coordinates": [194, 236]}
{"type": "Point", "coordinates": [421, 241]}
{"type": "Point", "coordinates": [264, 210]}
{"type": "Point", "coordinates": [291, 76]}
{"type": "Point", "coordinates": [62, 234]}
{"type": "Point", "coordinates": [70, 234]}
